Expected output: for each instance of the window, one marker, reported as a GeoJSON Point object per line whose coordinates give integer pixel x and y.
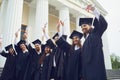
{"type": "Point", "coordinates": [23, 29]}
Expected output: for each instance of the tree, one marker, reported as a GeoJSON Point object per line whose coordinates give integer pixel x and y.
{"type": "Point", "coordinates": [115, 61]}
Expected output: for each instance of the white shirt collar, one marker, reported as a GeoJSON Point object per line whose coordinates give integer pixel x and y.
{"type": "Point", "coordinates": [76, 47]}
{"type": "Point", "coordinates": [38, 52]}
{"type": "Point", "coordinates": [87, 36]}
{"type": "Point", "coordinates": [47, 54]}
{"type": "Point", "coordinates": [25, 51]}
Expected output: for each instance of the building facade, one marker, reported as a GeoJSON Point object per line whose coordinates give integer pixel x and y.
{"type": "Point", "coordinates": [33, 14]}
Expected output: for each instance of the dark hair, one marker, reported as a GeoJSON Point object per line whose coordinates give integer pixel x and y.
{"type": "Point", "coordinates": [72, 47]}
{"type": "Point", "coordinates": [79, 44]}
{"type": "Point", "coordinates": [43, 57]}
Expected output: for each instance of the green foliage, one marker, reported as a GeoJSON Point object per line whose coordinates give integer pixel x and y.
{"type": "Point", "coordinates": [115, 61]}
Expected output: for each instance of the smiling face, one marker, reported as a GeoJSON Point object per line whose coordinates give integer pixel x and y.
{"type": "Point", "coordinates": [76, 40]}
{"type": "Point", "coordinates": [23, 47]}
{"type": "Point", "coordinates": [37, 47]}
{"type": "Point", "coordinates": [47, 50]}
{"type": "Point", "coordinates": [85, 28]}
{"type": "Point", "coordinates": [11, 50]}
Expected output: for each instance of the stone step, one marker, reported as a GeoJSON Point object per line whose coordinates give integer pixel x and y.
{"type": "Point", "coordinates": [113, 74]}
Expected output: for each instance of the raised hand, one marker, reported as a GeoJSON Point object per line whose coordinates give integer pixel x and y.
{"type": "Point", "coordinates": [0, 44]}
{"type": "Point", "coordinates": [16, 34]}
{"type": "Point", "coordinates": [1, 38]}
{"type": "Point", "coordinates": [43, 29]}
{"type": "Point", "coordinates": [90, 8]}
{"type": "Point", "coordinates": [45, 25]}
{"type": "Point", "coordinates": [62, 23]}
{"type": "Point", "coordinates": [25, 35]}
{"type": "Point", "coordinates": [58, 26]}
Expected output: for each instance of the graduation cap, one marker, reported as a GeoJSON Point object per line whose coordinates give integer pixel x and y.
{"type": "Point", "coordinates": [8, 47]}
{"type": "Point", "coordinates": [50, 43]}
{"type": "Point", "coordinates": [85, 21]}
{"type": "Point", "coordinates": [37, 41]}
{"type": "Point", "coordinates": [55, 36]}
{"type": "Point", "coordinates": [64, 36]}
{"type": "Point", "coordinates": [76, 33]}
{"type": "Point", "coordinates": [21, 42]}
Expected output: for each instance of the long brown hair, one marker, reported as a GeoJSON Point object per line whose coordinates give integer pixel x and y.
{"type": "Point", "coordinates": [72, 47]}
{"type": "Point", "coordinates": [79, 44]}
{"type": "Point", "coordinates": [42, 58]}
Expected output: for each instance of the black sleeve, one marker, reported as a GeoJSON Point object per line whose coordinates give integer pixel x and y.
{"type": "Point", "coordinates": [100, 25]}
{"type": "Point", "coordinates": [4, 54]}
{"type": "Point", "coordinates": [29, 47]}
{"type": "Point", "coordinates": [65, 46]}
{"type": "Point", "coordinates": [17, 49]}
{"type": "Point", "coordinates": [52, 45]}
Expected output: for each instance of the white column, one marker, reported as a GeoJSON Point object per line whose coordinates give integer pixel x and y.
{"type": "Point", "coordinates": [41, 17]}
{"type": "Point", "coordinates": [78, 28]}
{"type": "Point", "coordinates": [31, 23]}
{"type": "Point", "coordinates": [65, 17]}
{"type": "Point", "coordinates": [106, 51]}
{"type": "Point", "coordinates": [2, 20]}
{"type": "Point", "coordinates": [3, 12]}
{"type": "Point", "coordinates": [13, 20]}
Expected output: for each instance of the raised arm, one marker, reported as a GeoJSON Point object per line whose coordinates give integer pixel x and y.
{"type": "Point", "coordinates": [1, 51]}
{"type": "Point", "coordinates": [100, 24]}
{"type": "Point", "coordinates": [64, 45]}
{"type": "Point", "coordinates": [16, 36]}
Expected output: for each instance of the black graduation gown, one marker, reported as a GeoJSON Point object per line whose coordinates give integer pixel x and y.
{"type": "Point", "coordinates": [32, 65]}
{"type": "Point", "coordinates": [73, 69]}
{"type": "Point", "coordinates": [8, 72]}
{"type": "Point", "coordinates": [44, 71]}
{"type": "Point", "coordinates": [21, 63]}
{"type": "Point", "coordinates": [92, 54]}
{"type": "Point", "coordinates": [58, 53]}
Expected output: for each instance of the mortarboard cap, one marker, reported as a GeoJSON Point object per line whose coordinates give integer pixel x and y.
{"type": "Point", "coordinates": [76, 33]}
{"type": "Point", "coordinates": [37, 41]}
{"type": "Point", "coordinates": [21, 42]}
{"type": "Point", "coordinates": [8, 47]}
{"type": "Point", "coordinates": [55, 36]}
{"type": "Point", "coordinates": [85, 21]}
{"type": "Point", "coordinates": [50, 43]}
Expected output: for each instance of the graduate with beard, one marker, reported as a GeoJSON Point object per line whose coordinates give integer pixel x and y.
{"type": "Point", "coordinates": [73, 68]}
{"type": "Point", "coordinates": [8, 72]}
{"type": "Point", "coordinates": [32, 66]}
{"type": "Point", "coordinates": [92, 53]}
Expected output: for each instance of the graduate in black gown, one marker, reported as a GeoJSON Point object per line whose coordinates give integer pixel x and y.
{"type": "Point", "coordinates": [92, 53]}
{"type": "Point", "coordinates": [44, 62]}
{"type": "Point", "coordinates": [56, 68]}
{"type": "Point", "coordinates": [8, 72]}
{"type": "Point", "coordinates": [22, 57]}
{"type": "Point", "coordinates": [32, 66]}
{"type": "Point", "coordinates": [73, 70]}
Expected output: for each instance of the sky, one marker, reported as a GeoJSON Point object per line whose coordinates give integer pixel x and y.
{"type": "Point", "coordinates": [113, 19]}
